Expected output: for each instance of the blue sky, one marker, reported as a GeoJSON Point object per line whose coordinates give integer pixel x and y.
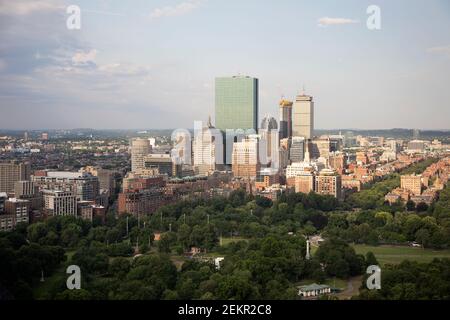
{"type": "Point", "coordinates": [152, 64]}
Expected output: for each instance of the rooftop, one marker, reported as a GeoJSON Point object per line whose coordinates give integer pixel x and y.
{"type": "Point", "coordinates": [66, 174]}
{"type": "Point", "coordinates": [314, 286]}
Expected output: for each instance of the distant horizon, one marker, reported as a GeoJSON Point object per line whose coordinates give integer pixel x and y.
{"type": "Point", "coordinates": [167, 129]}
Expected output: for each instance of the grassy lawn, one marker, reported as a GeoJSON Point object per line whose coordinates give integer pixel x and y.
{"type": "Point", "coordinates": [55, 280]}
{"type": "Point", "coordinates": [396, 254]}
{"type": "Point", "coordinates": [40, 292]}
{"type": "Point", "coordinates": [228, 240]}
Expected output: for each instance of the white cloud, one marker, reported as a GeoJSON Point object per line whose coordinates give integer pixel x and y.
{"type": "Point", "coordinates": [82, 58]}
{"type": "Point", "coordinates": [177, 10]}
{"type": "Point", "coordinates": [26, 7]}
{"type": "Point", "coordinates": [327, 21]}
{"type": "Point", "coordinates": [441, 49]}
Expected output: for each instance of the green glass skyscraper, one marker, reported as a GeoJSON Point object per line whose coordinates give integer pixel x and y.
{"type": "Point", "coordinates": [236, 103]}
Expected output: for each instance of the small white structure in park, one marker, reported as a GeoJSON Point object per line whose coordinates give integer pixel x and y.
{"type": "Point", "coordinates": [313, 290]}
{"type": "Point", "coordinates": [217, 262]}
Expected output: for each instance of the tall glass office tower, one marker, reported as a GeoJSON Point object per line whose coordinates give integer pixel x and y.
{"type": "Point", "coordinates": [236, 103]}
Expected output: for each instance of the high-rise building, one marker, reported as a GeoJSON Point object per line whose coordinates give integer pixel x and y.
{"type": "Point", "coordinates": [3, 198]}
{"type": "Point", "coordinates": [304, 182]}
{"type": "Point", "coordinates": [412, 183]}
{"type": "Point", "coordinates": [270, 135]}
{"type": "Point", "coordinates": [297, 150]}
{"type": "Point", "coordinates": [18, 207]}
{"type": "Point", "coordinates": [303, 117]}
{"type": "Point", "coordinates": [163, 163]}
{"type": "Point", "coordinates": [204, 148]}
{"type": "Point", "coordinates": [60, 203]}
{"type": "Point", "coordinates": [27, 190]}
{"type": "Point", "coordinates": [393, 145]}
{"type": "Point", "coordinates": [11, 172]}
{"type": "Point", "coordinates": [320, 147]}
{"type": "Point", "coordinates": [416, 146]}
{"type": "Point", "coordinates": [245, 156]}
{"type": "Point", "coordinates": [328, 182]}
{"type": "Point", "coordinates": [284, 153]}
{"type": "Point", "coordinates": [269, 123]}
{"type": "Point", "coordinates": [236, 101]}
{"type": "Point", "coordinates": [139, 149]}
{"type": "Point", "coordinates": [85, 210]}
{"type": "Point", "coordinates": [349, 139]}
{"type": "Point", "coordinates": [337, 161]}
{"type": "Point", "coordinates": [85, 186]}
{"type": "Point", "coordinates": [267, 177]}
{"type": "Point", "coordinates": [285, 119]}
{"type": "Point", "coordinates": [106, 178]}
{"type": "Point", "coordinates": [336, 142]}
{"type": "Point", "coordinates": [16, 211]}
{"type": "Point", "coordinates": [141, 195]}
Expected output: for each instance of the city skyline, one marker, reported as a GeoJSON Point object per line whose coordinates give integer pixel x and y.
{"type": "Point", "coordinates": [203, 151]}
{"type": "Point", "coordinates": [154, 65]}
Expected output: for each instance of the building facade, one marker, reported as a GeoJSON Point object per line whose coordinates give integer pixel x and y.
{"type": "Point", "coordinates": [59, 203]}
{"type": "Point", "coordinates": [204, 149]}
{"type": "Point", "coordinates": [297, 149]}
{"type": "Point", "coordinates": [245, 156]}
{"type": "Point", "coordinates": [11, 172]}
{"type": "Point", "coordinates": [285, 119]}
{"type": "Point", "coordinates": [163, 163]}
{"type": "Point", "coordinates": [84, 185]}
{"type": "Point", "coordinates": [303, 117]}
{"type": "Point", "coordinates": [328, 182]}
{"type": "Point", "coordinates": [412, 183]}
{"type": "Point", "coordinates": [236, 103]}
{"type": "Point", "coordinates": [140, 148]}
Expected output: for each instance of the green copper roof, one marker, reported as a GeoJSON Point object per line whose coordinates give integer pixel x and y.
{"type": "Point", "coordinates": [313, 287]}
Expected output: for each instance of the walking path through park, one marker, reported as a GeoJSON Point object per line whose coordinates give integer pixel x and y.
{"type": "Point", "coordinates": [353, 285]}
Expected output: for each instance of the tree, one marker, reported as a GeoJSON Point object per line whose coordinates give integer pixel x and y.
{"type": "Point", "coordinates": [80, 294]}
{"type": "Point", "coordinates": [91, 260]}
{"type": "Point", "coordinates": [36, 231]}
{"type": "Point", "coordinates": [340, 259]}
{"type": "Point", "coordinates": [184, 235]}
{"type": "Point", "coordinates": [412, 224]}
{"type": "Point", "coordinates": [263, 202]}
{"type": "Point", "coordinates": [121, 249]}
{"type": "Point", "coordinates": [71, 235]}
{"type": "Point", "coordinates": [423, 237]}
{"type": "Point", "coordinates": [50, 239]}
{"type": "Point", "coordinates": [119, 267]}
{"type": "Point", "coordinates": [166, 241]}
{"type": "Point", "coordinates": [421, 207]}
{"type": "Point", "coordinates": [371, 260]}
{"type": "Point", "coordinates": [410, 205]}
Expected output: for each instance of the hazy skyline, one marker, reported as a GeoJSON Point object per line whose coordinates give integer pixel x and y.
{"type": "Point", "coordinates": [152, 64]}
